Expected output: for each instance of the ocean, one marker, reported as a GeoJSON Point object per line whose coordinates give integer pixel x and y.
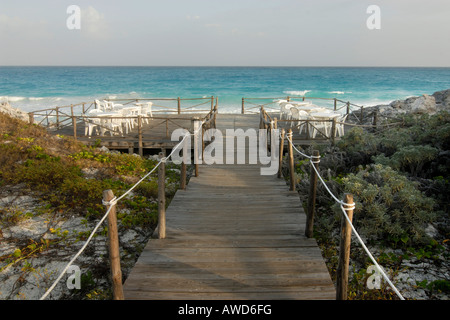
{"type": "Point", "coordinates": [35, 88]}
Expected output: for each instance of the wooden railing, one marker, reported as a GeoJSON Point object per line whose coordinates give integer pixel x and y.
{"type": "Point", "coordinates": [61, 116]}
{"type": "Point", "coordinates": [253, 105]}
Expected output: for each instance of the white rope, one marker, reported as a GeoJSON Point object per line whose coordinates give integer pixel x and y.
{"type": "Point", "coordinates": [76, 256]}
{"type": "Point", "coordinates": [348, 206]}
{"type": "Point", "coordinates": [288, 136]}
{"type": "Point", "coordinates": [368, 252]}
{"type": "Point", "coordinates": [112, 203]}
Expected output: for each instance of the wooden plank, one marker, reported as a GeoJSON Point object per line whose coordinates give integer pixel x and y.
{"type": "Point", "coordinates": [232, 234]}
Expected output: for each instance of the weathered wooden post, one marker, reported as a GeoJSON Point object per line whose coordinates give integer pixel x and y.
{"type": "Point", "coordinates": [179, 105]}
{"type": "Point", "coordinates": [375, 120]}
{"type": "Point", "coordinates": [161, 198]}
{"type": "Point", "coordinates": [216, 107]}
{"type": "Point", "coordinates": [291, 161]}
{"type": "Point", "coordinates": [243, 106]}
{"type": "Point", "coordinates": [74, 124]}
{"type": "Point", "coordinates": [141, 149]}
{"type": "Point", "coordinates": [57, 117]}
{"type": "Point", "coordinates": [183, 173]}
{"type": "Point", "coordinates": [196, 129]}
{"type": "Point", "coordinates": [312, 194]}
{"type": "Point", "coordinates": [31, 117]}
{"type": "Point", "coordinates": [344, 251]}
{"type": "Point", "coordinates": [114, 251]}
{"type": "Point", "coordinates": [335, 104]}
{"type": "Point", "coordinates": [280, 164]}
{"type": "Point", "coordinates": [333, 132]}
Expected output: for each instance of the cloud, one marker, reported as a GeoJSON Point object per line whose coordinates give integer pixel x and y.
{"type": "Point", "coordinates": [94, 24]}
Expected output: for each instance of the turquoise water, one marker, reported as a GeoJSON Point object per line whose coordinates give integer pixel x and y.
{"type": "Point", "coordinates": [33, 88]}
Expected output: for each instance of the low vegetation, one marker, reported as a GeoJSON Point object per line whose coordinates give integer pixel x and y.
{"type": "Point", "coordinates": [400, 180]}
{"type": "Point", "coordinates": [68, 179]}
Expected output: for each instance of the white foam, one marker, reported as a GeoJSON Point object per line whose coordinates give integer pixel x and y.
{"type": "Point", "coordinates": [297, 93]}
{"type": "Point", "coordinates": [338, 92]}
{"type": "Point", "coordinates": [11, 99]}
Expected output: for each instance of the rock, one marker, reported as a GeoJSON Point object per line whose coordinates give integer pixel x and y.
{"type": "Point", "coordinates": [442, 99]}
{"type": "Point", "coordinates": [423, 104]}
{"type": "Point", "coordinates": [431, 231]}
{"type": "Point", "coordinates": [13, 112]}
{"type": "Point", "coordinates": [417, 105]}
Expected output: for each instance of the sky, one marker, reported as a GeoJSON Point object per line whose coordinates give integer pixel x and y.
{"type": "Point", "coordinates": [226, 33]}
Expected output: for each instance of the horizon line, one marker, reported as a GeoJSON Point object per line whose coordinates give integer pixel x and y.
{"type": "Point", "coordinates": [219, 66]}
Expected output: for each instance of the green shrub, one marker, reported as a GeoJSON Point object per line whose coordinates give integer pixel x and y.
{"type": "Point", "coordinates": [389, 207]}
{"type": "Point", "coordinates": [410, 159]}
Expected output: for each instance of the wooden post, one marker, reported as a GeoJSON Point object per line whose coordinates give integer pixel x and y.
{"type": "Point", "coordinates": [183, 176]}
{"type": "Point", "coordinates": [31, 117]}
{"type": "Point", "coordinates": [195, 130]}
{"type": "Point", "coordinates": [141, 149]}
{"type": "Point", "coordinates": [375, 120]}
{"type": "Point", "coordinates": [335, 104]}
{"type": "Point", "coordinates": [280, 164]}
{"type": "Point", "coordinates": [212, 102]}
{"type": "Point", "coordinates": [57, 117]}
{"type": "Point", "coordinates": [243, 107]}
{"type": "Point", "coordinates": [167, 128]}
{"type": "Point", "coordinates": [344, 252]}
{"type": "Point", "coordinates": [179, 105]}
{"type": "Point", "coordinates": [216, 110]}
{"type": "Point", "coordinates": [114, 252]}
{"type": "Point", "coordinates": [333, 132]}
{"type": "Point", "coordinates": [161, 199]}
{"type": "Point", "coordinates": [348, 107]}
{"type": "Point", "coordinates": [74, 123]}
{"type": "Point", "coordinates": [312, 194]}
{"type": "Point", "coordinates": [291, 161]}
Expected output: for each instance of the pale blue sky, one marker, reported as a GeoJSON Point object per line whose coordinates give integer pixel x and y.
{"type": "Point", "coordinates": [226, 33]}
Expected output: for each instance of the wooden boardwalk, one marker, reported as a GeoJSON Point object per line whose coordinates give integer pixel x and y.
{"type": "Point", "coordinates": [232, 234]}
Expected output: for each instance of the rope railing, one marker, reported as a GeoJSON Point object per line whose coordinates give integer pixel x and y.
{"type": "Point", "coordinates": [344, 207]}
{"type": "Point", "coordinates": [111, 204]}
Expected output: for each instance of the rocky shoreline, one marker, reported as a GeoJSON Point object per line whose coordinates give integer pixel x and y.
{"type": "Point", "coordinates": [425, 104]}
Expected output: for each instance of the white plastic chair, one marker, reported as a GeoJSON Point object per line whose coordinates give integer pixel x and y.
{"type": "Point", "coordinates": [110, 105]}
{"type": "Point", "coordinates": [114, 126]}
{"type": "Point", "coordinates": [284, 110]}
{"type": "Point", "coordinates": [91, 123]}
{"type": "Point", "coordinates": [317, 125]}
{"type": "Point", "coordinates": [145, 110]}
{"type": "Point", "coordinates": [128, 120]}
{"type": "Point", "coordinates": [302, 117]}
{"type": "Point", "coordinates": [340, 125]}
{"type": "Point", "coordinates": [294, 115]}
{"type": "Point", "coordinates": [100, 105]}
